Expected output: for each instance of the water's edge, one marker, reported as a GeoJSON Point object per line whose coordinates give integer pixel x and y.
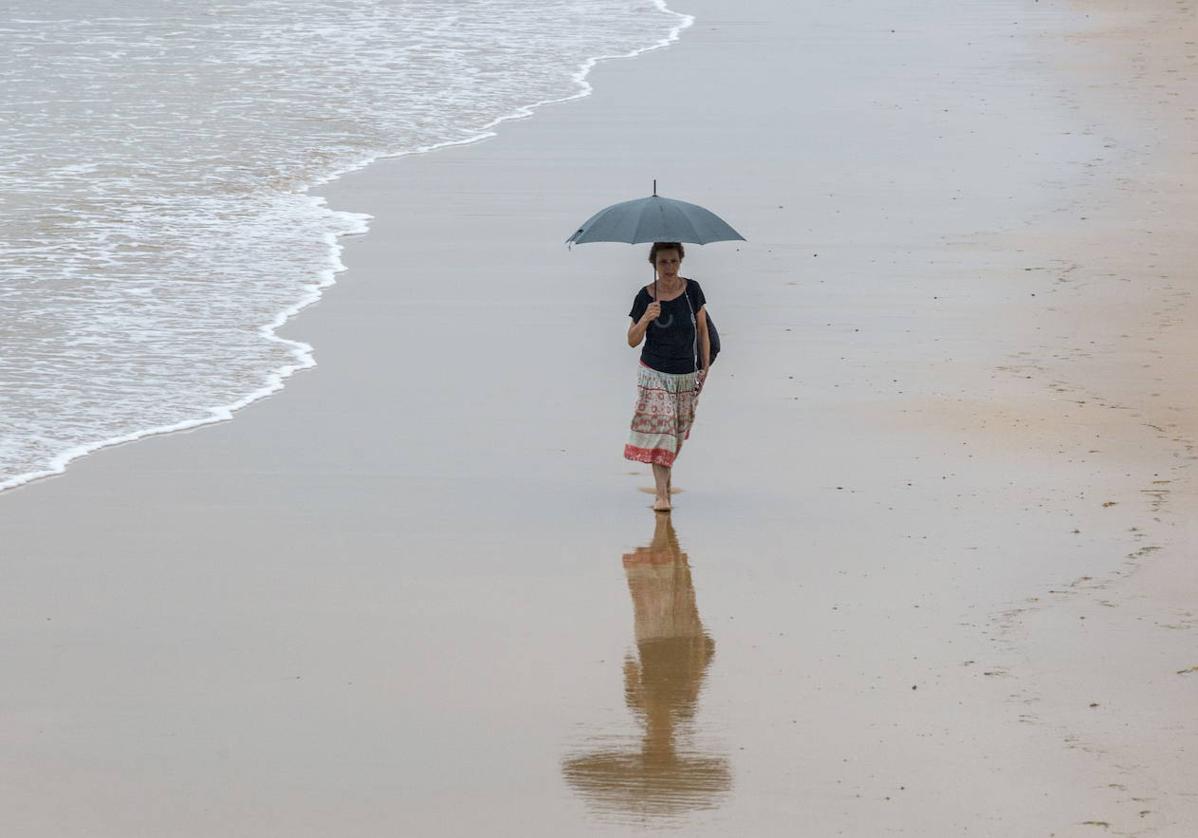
{"type": "Point", "coordinates": [357, 224]}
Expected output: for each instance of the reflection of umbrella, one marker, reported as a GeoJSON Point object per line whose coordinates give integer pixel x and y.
{"type": "Point", "coordinates": [628, 786]}
{"type": "Point", "coordinates": [654, 219]}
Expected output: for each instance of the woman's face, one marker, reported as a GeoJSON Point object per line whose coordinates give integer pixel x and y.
{"type": "Point", "coordinates": [668, 263]}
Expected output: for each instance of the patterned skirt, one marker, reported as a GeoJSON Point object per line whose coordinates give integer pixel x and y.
{"type": "Point", "coordinates": [665, 411]}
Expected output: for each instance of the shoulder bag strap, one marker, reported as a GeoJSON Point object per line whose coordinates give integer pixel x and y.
{"type": "Point", "coordinates": [694, 323]}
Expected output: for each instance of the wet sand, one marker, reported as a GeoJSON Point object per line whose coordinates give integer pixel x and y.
{"type": "Point", "coordinates": [932, 569]}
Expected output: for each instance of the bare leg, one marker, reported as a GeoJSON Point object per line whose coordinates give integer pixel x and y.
{"type": "Point", "coordinates": [661, 476]}
{"type": "Point", "coordinates": [670, 472]}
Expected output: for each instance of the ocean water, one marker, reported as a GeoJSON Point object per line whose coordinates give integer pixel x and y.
{"type": "Point", "coordinates": [155, 157]}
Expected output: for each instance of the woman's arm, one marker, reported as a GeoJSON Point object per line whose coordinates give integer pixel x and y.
{"type": "Point", "coordinates": [704, 340]}
{"type": "Point", "coordinates": [636, 332]}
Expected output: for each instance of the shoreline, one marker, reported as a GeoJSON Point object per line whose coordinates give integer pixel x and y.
{"type": "Point", "coordinates": [404, 600]}
{"type": "Point", "coordinates": [302, 352]}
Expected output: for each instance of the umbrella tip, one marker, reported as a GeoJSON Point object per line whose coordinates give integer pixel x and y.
{"type": "Point", "coordinates": [654, 187]}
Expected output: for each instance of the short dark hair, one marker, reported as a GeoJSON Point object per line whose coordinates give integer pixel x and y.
{"type": "Point", "coordinates": [659, 246]}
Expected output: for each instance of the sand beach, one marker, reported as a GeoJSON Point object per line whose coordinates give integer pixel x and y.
{"type": "Point", "coordinates": [931, 570]}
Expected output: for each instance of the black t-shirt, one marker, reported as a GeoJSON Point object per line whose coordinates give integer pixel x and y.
{"type": "Point", "coordinates": [670, 341]}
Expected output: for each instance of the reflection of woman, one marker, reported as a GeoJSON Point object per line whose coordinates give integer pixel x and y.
{"type": "Point", "coordinates": [671, 317]}
{"type": "Point", "coordinates": [672, 647]}
{"type": "Point", "coordinates": [661, 686]}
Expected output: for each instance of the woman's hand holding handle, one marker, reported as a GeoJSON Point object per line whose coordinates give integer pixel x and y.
{"type": "Point", "coordinates": [636, 332]}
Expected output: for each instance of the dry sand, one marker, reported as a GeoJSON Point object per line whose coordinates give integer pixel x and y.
{"type": "Point", "coordinates": [932, 572]}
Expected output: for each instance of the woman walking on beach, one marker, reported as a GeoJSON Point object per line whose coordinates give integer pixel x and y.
{"type": "Point", "coordinates": [671, 317]}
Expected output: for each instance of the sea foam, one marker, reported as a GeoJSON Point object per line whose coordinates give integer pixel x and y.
{"type": "Point", "coordinates": [157, 159]}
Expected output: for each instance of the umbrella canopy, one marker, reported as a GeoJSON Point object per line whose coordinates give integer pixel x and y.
{"type": "Point", "coordinates": [654, 219]}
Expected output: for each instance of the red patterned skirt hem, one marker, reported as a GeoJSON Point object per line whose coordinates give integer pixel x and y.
{"type": "Point", "coordinates": [655, 456]}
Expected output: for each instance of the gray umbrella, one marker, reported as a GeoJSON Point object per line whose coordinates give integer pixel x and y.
{"type": "Point", "coordinates": [654, 219]}
{"type": "Point", "coordinates": [657, 219]}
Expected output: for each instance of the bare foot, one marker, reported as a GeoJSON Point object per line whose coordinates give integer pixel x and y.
{"type": "Point", "coordinates": [661, 504]}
